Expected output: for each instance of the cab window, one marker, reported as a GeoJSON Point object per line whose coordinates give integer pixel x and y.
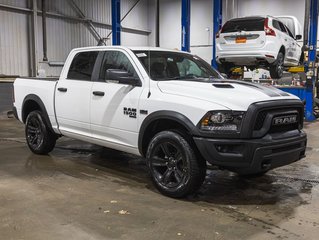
{"type": "Point", "coordinates": [82, 66]}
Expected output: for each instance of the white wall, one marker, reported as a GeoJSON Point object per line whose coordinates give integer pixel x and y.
{"type": "Point", "coordinates": [170, 26]}
{"type": "Point", "coordinates": [272, 7]}
{"type": "Point", "coordinates": [62, 34]}
{"type": "Point", "coordinates": [202, 28]}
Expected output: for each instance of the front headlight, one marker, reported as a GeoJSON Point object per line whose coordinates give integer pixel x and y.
{"type": "Point", "coordinates": [222, 121]}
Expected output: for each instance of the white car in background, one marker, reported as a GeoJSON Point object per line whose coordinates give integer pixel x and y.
{"type": "Point", "coordinates": [259, 42]}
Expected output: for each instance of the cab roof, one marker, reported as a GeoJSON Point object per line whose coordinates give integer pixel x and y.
{"type": "Point", "coordinates": [134, 48]}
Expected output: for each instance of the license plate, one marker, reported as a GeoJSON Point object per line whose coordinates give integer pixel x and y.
{"type": "Point", "coordinates": [241, 40]}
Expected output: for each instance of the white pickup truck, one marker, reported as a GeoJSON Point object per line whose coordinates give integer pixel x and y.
{"type": "Point", "coordinates": [168, 106]}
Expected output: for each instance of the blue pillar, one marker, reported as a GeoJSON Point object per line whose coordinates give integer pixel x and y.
{"type": "Point", "coordinates": [186, 22]}
{"type": "Point", "coordinates": [217, 23]}
{"type": "Point", "coordinates": [116, 22]}
{"type": "Point", "coordinates": [313, 27]}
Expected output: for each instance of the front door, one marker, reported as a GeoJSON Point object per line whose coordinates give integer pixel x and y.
{"type": "Point", "coordinates": [114, 106]}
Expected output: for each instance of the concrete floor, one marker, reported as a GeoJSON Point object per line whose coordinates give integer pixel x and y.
{"type": "Point", "coordinates": [82, 191]}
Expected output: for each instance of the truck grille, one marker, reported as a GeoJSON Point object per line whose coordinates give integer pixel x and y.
{"type": "Point", "coordinates": [260, 120]}
{"type": "Point", "coordinates": [262, 125]}
{"type": "Point", "coordinates": [285, 128]}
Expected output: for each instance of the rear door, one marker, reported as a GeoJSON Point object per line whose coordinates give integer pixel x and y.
{"type": "Point", "coordinates": [295, 48]}
{"type": "Point", "coordinates": [288, 41]}
{"type": "Point", "coordinates": [73, 94]}
{"type": "Point", "coordinates": [242, 33]}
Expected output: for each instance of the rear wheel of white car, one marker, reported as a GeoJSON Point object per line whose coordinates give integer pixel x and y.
{"type": "Point", "coordinates": [277, 68]}
{"type": "Point", "coordinates": [40, 139]}
{"type": "Point", "coordinates": [175, 169]}
{"type": "Point", "coordinates": [301, 59]}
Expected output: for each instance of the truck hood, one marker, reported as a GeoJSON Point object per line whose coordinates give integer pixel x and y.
{"type": "Point", "coordinates": [235, 95]}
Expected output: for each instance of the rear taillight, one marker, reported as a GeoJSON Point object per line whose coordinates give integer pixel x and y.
{"type": "Point", "coordinates": [269, 31]}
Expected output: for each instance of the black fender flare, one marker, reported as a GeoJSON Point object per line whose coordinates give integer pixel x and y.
{"type": "Point", "coordinates": [36, 99]}
{"type": "Point", "coordinates": [165, 115]}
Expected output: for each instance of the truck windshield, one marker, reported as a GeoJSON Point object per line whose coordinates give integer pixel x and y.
{"type": "Point", "coordinates": [163, 66]}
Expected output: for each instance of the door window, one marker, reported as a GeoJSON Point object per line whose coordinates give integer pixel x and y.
{"type": "Point", "coordinates": [276, 25]}
{"type": "Point", "coordinates": [82, 66]}
{"type": "Point", "coordinates": [289, 22]}
{"type": "Point", "coordinates": [289, 32]}
{"type": "Point", "coordinates": [283, 28]}
{"type": "Point", "coordinates": [116, 60]}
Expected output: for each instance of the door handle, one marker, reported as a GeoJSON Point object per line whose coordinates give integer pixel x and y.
{"type": "Point", "coordinates": [98, 93]}
{"type": "Point", "coordinates": [61, 89]}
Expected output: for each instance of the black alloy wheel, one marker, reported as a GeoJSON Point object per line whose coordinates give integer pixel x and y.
{"type": "Point", "coordinates": [174, 167]}
{"type": "Point", "coordinates": [40, 139]}
{"type": "Point", "coordinates": [277, 69]}
{"type": "Point", "coordinates": [34, 133]}
{"type": "Point", "coordinates": [168, 165]}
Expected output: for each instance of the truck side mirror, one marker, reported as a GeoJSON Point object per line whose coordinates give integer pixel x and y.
{"type": "Point", "coordinates": [122, 76]}
{"type": "Point", "coordinates": [298, 37]}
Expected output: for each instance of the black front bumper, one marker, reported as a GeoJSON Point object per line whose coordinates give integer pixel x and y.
{"type": "Point", "coordinates": [248, 156]}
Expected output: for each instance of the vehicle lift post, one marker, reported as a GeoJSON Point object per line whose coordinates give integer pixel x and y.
{"type": "Point", "coordinates": [186, 22]}
{"type": "Point", "coordinates": [217, 23]}
{"type": "Point", "coordinates": [311, 64]}
{"type": "Point", "coordinates": [116, 22]}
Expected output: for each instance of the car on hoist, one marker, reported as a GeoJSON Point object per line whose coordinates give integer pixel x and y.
{"type": "Point", "coordinates": [259, 42]}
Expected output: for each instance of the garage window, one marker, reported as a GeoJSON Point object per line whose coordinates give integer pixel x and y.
{"type": "Point", "coordinates": [82, 66]}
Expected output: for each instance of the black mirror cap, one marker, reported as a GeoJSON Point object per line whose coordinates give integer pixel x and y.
{"type": "Point", "coordinates": [122, 76]}
{"type": "Point", "coordinates": [298, 37]}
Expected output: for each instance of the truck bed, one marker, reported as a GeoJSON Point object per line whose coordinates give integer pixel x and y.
{"type": "Point", "coordinates": [42, 78]}
{"type": "Point", "coordinates": [43, 88]}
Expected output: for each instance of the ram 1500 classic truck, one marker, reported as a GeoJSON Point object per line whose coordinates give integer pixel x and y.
{"type": "Point", "coordinates": [168, 106]}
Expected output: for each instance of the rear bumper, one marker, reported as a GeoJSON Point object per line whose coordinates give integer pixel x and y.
{"type": "Point", "coordinates": [252, 156]}
{"type": "Point", "coordinates": [241, 58]}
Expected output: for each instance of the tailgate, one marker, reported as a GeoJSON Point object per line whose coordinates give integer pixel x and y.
{"type": "Point", "coordinates": [243, 34]}
{"type": "Point", "coordinates": [242, 40]}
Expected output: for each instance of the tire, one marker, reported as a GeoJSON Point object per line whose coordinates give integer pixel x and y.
{"type": "Point", "coordinates": [40, 139]}
{"type": "Point", "coordinates": [301, 59]}
{"type": "Point", "coordinates": [175, 169]}
{"type": "Point", "coordinates": [277, 68]}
